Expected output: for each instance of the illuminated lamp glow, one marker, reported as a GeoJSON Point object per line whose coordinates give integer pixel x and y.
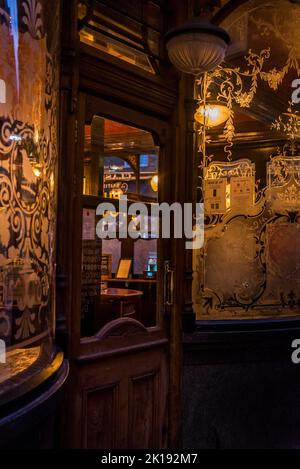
{"type": "Point", "coordinates": [154, 183]}
{"type": "Point", "coordinates": [116, 193]}
{"type": "Point", "coordinates": [213, 115]}
{"type": "Point", "coordinates": [37, 172]}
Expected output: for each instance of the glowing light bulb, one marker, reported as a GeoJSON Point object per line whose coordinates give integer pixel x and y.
{"type": "Point", "coordinates": [212, 115]}
{"type": "Point", "coordinates": [154, 183]}
{"type": "Point", "coordinates": [37, 172]}
{"type": "Point", "coordinates": [52, 182]}
{"type": "Point", "coordinates": [36, 136]}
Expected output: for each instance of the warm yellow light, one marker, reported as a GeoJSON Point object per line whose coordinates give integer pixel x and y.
{"type": "Point", "coordinates": [154, 183]}
{"type": "Point", "coordinates": [115, 167]}
{"type": "Point", "coordinates": [52, 182]}
{"type": "Point", "coordinates": [111, 214]}
{"type": "Point", "coordinates": [36, 136]}
{"type": "Point", "coordinates": [116, 193]}
{"type": "Point", "coordinates": [228, 196]}
{"type": "Point", "coordinates": [214, 115]}
{"type": "Point", "coordinates": [37, 172]}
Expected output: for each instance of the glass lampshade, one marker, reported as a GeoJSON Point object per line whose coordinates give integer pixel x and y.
{"type": "Point", "coordinates": [213, 114]}
{"type": "Point", "coordinates": [154, 183]}
{"type": "Point", "coordinates": [198, 46]}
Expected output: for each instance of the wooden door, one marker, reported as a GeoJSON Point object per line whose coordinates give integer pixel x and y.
{"type": "Point", "coordinates": [119, 393]}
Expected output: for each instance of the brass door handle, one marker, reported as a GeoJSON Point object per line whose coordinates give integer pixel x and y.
{"type": "Point", "coordinates": [169, 285]}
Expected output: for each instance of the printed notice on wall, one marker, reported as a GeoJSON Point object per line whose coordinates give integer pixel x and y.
{"type": "Point", "coordinates": [215, 196]}
{"type": "Point", "coordinates": [88, 224]}
{"type": "Point", "coordinates": [241, 190]}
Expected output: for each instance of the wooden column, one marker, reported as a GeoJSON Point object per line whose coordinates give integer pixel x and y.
{"type": "Point", "coordinates": [66, 168]}
{"type": "Point", "coordinates": [188, 314]}
{"type": "Point", "coordinates": [182, 172]}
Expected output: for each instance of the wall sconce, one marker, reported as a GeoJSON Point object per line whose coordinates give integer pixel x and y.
{"type": "Point", "coordinates": [154, 183]}
{"type": "Point", "coordinates": [212, 115]}
{"type": "Point", "coordinates": [37, 170]}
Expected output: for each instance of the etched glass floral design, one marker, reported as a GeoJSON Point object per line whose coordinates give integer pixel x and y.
{"type": "Point", "coordinates": [28, 157]}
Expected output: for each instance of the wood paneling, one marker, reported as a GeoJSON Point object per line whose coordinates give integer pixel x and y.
{"type": "Point", "coordinates": [143, 403]}
{"type": "Point", "coordinates": [101, 410]}
{"type": "Point", "coordinates": [118, 395]}
{"type": "Point", "coordinates": [123, 399]}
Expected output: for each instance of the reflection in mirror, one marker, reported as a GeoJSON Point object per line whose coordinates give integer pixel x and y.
{"type": "Point", "coordinates": [119, 274]}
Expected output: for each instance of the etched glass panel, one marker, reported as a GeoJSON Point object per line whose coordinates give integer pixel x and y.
{"type": "Point", "coordinates": [249, 267]}
{"type": "Point", "coordinates": [28, 154]}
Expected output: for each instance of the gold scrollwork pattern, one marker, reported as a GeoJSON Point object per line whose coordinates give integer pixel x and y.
{"type": "Point", "coordinates": [249, 266]}
{"type": "Point", "coordinates": [28, 157]}
{"type": "Point", "coordinates": [237, 86]}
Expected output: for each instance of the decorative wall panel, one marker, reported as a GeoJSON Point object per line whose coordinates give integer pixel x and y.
{"type": "Point", "coordinates": [250, 264]}
{"type": "Point", "coordinates": [29, 32]}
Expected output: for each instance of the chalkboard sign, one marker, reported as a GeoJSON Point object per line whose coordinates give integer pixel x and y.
{"type": "Point", "coordinates": [105, 266]}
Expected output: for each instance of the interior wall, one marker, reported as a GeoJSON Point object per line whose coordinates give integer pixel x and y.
{"type": "Point", "coordinates": [242, 393]}
{"type": "Point", "coordinates": [240, 386]}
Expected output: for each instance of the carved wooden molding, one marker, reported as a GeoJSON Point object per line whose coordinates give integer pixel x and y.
{"type": "Point", "coordinates": [122, 327]}
{"type": "Point", "coordinates": [104, 78]}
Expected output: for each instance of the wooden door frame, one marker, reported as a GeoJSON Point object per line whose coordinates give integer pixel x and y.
{"type": "Point", "coordinates": [88, 107]}
{"type": "Point", "coordinates": [82, 350]}
{"type": "Point", "coordinates": [165, 113]}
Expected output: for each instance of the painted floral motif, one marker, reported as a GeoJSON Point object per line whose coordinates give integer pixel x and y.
{"type": "Point", "coordinates": [5, 324]}
{"type": "Point", "coordinates": [274, 78]}
{"type": "Point", "coordinates": [32, 18]}
{"type": "Point", "coordinates": [5, 231]}
{"type": "Point", "coordinates": [25, 324]}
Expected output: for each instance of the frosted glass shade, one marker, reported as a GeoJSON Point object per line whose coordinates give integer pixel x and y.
{"type": "Point", "coordinates": [213, 114]}
{"type": "Point", "coordinates": [197, 47]}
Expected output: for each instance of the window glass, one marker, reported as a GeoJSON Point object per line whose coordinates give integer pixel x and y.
{"type": "Point", "coordinates": [249, 265]}
{"type": "Point", "coordinates": [119, 273]}
{"type": "Point", "coordinates": [130, 33]}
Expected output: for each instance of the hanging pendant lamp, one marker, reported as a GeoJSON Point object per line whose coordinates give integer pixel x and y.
{"type": "Point", "coordinates": [197, 46]}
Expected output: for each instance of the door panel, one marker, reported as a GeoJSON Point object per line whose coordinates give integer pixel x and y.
{"type": "Point", "coordinates": [142, 397]}
{"type": "Point", "coordinates": [124, 396]}
{"type": "Point", "coordinates": [100, 413]}
{"type": "Point", "coordinates": [120, 372]}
